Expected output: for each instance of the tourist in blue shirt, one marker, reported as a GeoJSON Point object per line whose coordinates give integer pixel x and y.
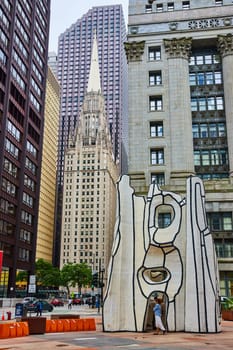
{"type": "Point", "coordinates": [158, 322]}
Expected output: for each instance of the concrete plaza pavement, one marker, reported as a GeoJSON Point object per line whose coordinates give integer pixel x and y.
{"type": "Point", "coordinates": [96, 340]}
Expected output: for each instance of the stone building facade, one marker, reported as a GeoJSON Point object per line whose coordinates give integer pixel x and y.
{"type": "Point", "coordinates": [180, 66]}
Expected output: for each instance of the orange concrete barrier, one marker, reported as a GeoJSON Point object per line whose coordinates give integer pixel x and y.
{"type": "Point", "coordinates": [25, 328]}
{"type": "Point", "coordinates": [4, 330]}
{"type": "Point", "coordinates": [92, 325]}
{"type": "Point", "coordinates": [53, 326]}
{"type": "Point", "coordinates": [79, 323]}
{"type": "Point", "coordinates": [48, 326]}
{"type": "Point", "coordinates": [66, 325]}
{"type": "Point", "coordinates": [59, 324]}
{"type": "Point", "coordinates": [12, 329]}
{"type": "Point", "coordinates": [19, 329]}
{"type": "Point", "coordinates": [73, 325]}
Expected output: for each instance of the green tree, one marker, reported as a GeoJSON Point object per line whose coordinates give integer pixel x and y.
{"type": "Point", "coordinates": [73, 275]}
{"type": "Point", "coordinates": [22, 276]}
{"type": "Point", "coordinates": [46, 274]}
{"type": "Point", "coordinates": [83, 275]}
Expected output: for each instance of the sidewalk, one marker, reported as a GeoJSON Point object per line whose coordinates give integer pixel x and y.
{"type": "Point", "coordinates": [123, 340]}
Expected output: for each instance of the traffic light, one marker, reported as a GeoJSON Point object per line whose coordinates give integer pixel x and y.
{"type": "Point", "coordinates": [95, 279]}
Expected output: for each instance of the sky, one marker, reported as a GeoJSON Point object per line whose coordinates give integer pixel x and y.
{"type": "Point", "coordinates": [66, 12]}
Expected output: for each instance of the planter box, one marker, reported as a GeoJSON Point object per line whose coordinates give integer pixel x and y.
{"type": "Point", "coordinates": [64, 316]}
{"type": "Point", "coordinates": [227, 315]}
{"type": "Point", "coordinates": [36, 325]}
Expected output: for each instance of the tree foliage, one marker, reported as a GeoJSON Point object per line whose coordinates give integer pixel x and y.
{"type": "Point", "coordinates": [46, 274]}
{"type": "Point", "coordinates": [73, 275]}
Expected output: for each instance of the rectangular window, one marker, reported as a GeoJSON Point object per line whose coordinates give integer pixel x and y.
{"type": "Point", "coordinates": [155, 103]}
{"type": "Point", "coordinates": [203, 130]}
{"type": "Point", "coordinates": [154, 53]}
{"type": "Point", "coordinates": [185, 5]}
{"type": "Point", "coordinates": [157, 156]}
{"type": "Point", "coordinates": [148, 8]}
{"type": "Point", "coordinates": [10, 167]}
{"type": "Point", "coordinates": [195, 129]}
{"type": "Point", "coordinates": [158, 178]}
{"type": "Point", "coordinates": [31, 149]}
{"type": "Point", "coordinates": [159, 7]}
{"type": "Point", "coordinates": [220, 221]}
{"type": "Point", "coordinates": [155, 78]}
{"type": "Point", "coordinates": [192, 79]}
{"type": "Point", "coordinates": [156, 129]}
{"type": "Point", "coordinates": [170, 6]}
{"type": "Point", "coordinates": [8, 187]}
{"type": "Point", "coordinates": [12, 149]}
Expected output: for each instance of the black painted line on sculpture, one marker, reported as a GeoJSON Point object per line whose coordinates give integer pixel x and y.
{"type": "Point", "coordinates": [134, 306]}
{"type": "Point", "coordinates": [111, 263]}
{"type": "Point", "coordinates": [194, 255]}
{"type": "Point", "coordinates": [212, 285]}
{"type": "Point", "coordinates": [143, 222]}
{"type": "Point", "coordinates": [199, 199]}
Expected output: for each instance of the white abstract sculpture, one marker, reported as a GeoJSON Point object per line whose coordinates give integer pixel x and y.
{"type": "Point", "coordinates": [177, 261]}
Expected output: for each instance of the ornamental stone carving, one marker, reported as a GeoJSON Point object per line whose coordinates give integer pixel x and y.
{"type": "Point", "coordinates": [174, 260]}
{"type": "Point", "coordinates": [178, 47]}
{"type": "Point", "coordinates": [225, 44]}
{"type": "Point", "coordinates": [134, 50]}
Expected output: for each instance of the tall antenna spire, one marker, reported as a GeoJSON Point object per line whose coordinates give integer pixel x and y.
{"type": "Point", "coordinates": [94, 75]}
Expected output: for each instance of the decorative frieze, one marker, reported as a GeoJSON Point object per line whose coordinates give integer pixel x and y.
{"type": "Point", "coordinates": [225, 44]}
{"type": "Point", "coordinates": [178, 47]}
{"type": "Point", "coordinates": [134, 50]}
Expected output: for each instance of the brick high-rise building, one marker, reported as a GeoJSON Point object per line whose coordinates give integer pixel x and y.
{"type": "Point", "coordinates": [180, 64]}
{"type": "Point", "coordinates": [24, 33]}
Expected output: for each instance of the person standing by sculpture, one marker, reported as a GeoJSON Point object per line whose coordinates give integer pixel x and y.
{"type": "Point", "coordinates": [158, 322]}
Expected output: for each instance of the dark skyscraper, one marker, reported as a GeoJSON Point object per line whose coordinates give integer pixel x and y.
{"type": "Point", "coordinates": [24, 28]}
{"type": "Point", "coordinates": [74, 56]}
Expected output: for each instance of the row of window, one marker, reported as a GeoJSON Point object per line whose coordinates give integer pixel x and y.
{"type": "Point", "coordinates": [210, 157]}
{"type": "Point", "coordinates": [201, 157]}
{"type": "Point", "coordinates": [170, 6]}
{"type": "Point", "coordinates": [204, 130]}
{"type": "Point", "coordinates": [197, 103]}
{"type": "Point", "coordinates": [205, 78]}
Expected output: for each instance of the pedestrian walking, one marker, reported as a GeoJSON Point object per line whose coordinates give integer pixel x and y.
{"type": "Point", "coordinates": [158, 321]}
{"type": "Point", "coordinates": [70, 303]}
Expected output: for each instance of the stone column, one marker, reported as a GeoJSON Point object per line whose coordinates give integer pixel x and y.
{"type": "Point", "coordinates": [225, 47]}
{"type": "Point", "coordinates": [137, 104]}
{"type": "Point", "coordinates": [181, 142]}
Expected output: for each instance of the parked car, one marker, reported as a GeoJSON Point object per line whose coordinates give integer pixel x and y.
{"type": "Point", "coordinates": [57, 302]}
{"type": "Point", "coordinates": [29, 299]}
{"type": "Point", "coordinates": [77, 301]}
{"type": "Point", "coordinates": [32, 306]}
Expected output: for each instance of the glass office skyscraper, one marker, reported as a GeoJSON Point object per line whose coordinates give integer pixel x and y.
{"type": "Point", "coordinates": [24, 32]}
